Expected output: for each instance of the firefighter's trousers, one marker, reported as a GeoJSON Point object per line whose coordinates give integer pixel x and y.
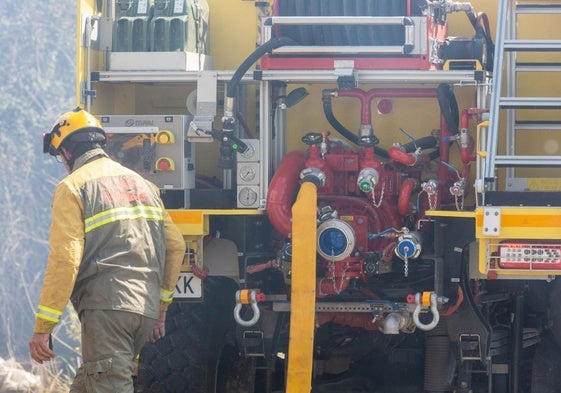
{"type": "Point", "coordinates": [110, 342]}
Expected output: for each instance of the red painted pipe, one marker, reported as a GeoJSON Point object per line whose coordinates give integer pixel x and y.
{"type": "Point", "coordinates": [282, 191]}
{"type": "Point", "coordinates": [366, 98]}
{"type": "Point", "coordinates": [405, 192]}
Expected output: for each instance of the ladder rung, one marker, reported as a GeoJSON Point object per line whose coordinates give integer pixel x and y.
{"type": "Point", "coordinates": [538, 8]}
{"type": "Point", "coordinates": [520, 161]}
{"type": "Point", "coordinates": [532, 45]}
{"type": "Point", "coordinates": [538, 125]}
{"type": "Point", "coordinates": [538, 66]}
{"type": "Point", "coordinates": [530, 102]}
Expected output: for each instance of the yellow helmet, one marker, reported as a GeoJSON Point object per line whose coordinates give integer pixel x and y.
{"type": "Point", "coordinates": [76, 126]}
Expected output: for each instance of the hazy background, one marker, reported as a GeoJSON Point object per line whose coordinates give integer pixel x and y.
{"type": "Point", "coordinates": [37, 71]}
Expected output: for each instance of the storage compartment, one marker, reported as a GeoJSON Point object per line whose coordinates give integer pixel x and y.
{"type": "Point", "coordinates": [373, 34]}
{"type": "Point", "coordinates": [162, 35]}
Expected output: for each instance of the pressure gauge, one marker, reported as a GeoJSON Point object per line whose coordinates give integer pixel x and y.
{"type": "Point", "coordinates": [247, 173]}
{"type": "Point", "coordinates": [247, 197]}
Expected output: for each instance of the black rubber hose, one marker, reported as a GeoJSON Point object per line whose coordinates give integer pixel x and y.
{"type": "Point", "coordinates": [426, 142]}
{"type": "Point", "coordinates": [328, 111]}
{"type": "Point", "coordinates": [434, 154]}
{"type": "Point", "coordinates": [448, 107]}
{"type": "Point", "coordinates": [252, 58]}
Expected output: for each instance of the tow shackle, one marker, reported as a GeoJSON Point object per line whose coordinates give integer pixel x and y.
{"type": "Point", "coordinates": [419, 300]}
{"type": "Point", "coordinates": [248, 296]}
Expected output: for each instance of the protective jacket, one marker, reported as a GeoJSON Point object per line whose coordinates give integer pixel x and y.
{"type": "Point", "coordinates": [112, 244]}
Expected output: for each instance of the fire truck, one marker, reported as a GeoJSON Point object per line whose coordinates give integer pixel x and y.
{"type": "Point", "coordinates": [368, 190]}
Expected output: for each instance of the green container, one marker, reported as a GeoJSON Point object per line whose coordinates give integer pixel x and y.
{"type": "Point", "coordinates": [182, 25]}
{"type": "Point", "coordinates": [131, 26]}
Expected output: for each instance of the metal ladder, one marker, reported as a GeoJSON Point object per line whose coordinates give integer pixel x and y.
{"type": "Point", "coordinates": [510, 110]}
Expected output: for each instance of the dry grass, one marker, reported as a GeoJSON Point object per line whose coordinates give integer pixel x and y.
{"type": "Point", "coordinates": [56, 375]}
{"type": "Point", "coordinates": [53, 379]}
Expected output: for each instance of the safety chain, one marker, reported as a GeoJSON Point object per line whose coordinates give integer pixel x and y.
{"type": "Point", "coordinates": [459, 199]}
{"type": "Point", "coordinates": [457, 190]}
{"type": "Point", "coordinates": [379, 203]}
{"type": "Point", "coordinates": [405, 265]}
{"type": "Point", "coordinates": [430, 188]}
{"type": "Point", "coordinates": [338, 290]}
{"type": "Point", "coordinates": [331, 267]}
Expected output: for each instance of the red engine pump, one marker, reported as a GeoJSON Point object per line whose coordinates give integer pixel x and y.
{"type": "Point", "coordinates": [358, 207]}
{"type": "Point", "coordinates": [367, 208]}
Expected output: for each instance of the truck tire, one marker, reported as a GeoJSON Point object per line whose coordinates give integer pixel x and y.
{"type": "Point", "coordinates": [555, 311]}
{"type": "Point", "coordinates": [199, 352]}
{"type": "Point", "coordinates": [546, 367]}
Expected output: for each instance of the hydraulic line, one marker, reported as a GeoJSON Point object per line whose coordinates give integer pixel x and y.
{"type": "Point", "coordinates": [327, 110]}
{"type": "Point", "coordinates": [365, 97]}
{"type": "Point", "coordinates": [448, 107]}
{"type": "Point", "coordinates": [449, 130]}
{"type": "Point", "coordinates": [426, 142]}
{"type": "Point", "coordinates": [247, 63]}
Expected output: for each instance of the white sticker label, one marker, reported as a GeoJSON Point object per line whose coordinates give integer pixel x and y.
{"type": "Point", "coordinates": [142, 7]}
{"type": "Point", "coordinates": [178, 6]}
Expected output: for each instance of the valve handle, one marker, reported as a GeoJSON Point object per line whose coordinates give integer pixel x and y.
{"type": "Point", "coordinates": [408, 135]}
{"type": "Point", "coordinates": [312, 138]}
{"type": "Point", "coordinates": [451, 168]}
{"type": "Point", "coordinates": [229, 139]}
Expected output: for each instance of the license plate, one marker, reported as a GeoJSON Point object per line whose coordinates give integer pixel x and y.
{"type": "Point", "coordinates": [188, 286]}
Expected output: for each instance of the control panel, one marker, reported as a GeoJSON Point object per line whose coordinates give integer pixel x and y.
{"type": "Point", "coordinates": [154, 146]}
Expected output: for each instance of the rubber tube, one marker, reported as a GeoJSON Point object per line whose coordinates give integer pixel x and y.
{"type": "Point", "coordinates": [402, 157]}
{"type": "Point", "coordinates": [252, 58]}
{"type": "Point", "coordinates": [448, 107]}
{"type": "Point", "coordinates": [327, 110]}
{"type": "Point", "coordinates": [426, 142]}
{"type": "Point", "coordinates": [405, 192]}
{"type": "Point", "coordinates": [282, 191]}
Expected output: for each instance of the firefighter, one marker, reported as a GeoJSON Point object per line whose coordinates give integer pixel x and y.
{"type": "Point", "coordinates": [114, 253]}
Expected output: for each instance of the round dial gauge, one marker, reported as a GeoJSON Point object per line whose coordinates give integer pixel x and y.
{"type": "Point", "coordinates": [247, 196]}
{"type": "Point", "coordinates": [247, 173]}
